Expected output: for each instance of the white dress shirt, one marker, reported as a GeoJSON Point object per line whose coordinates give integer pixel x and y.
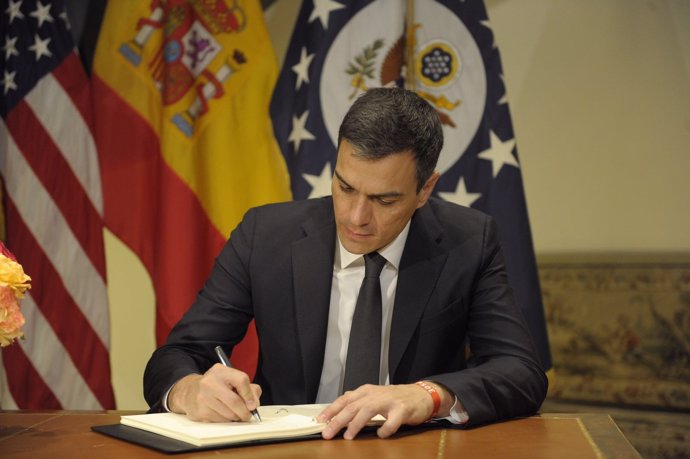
{"type": "Point", "coordinates": [348, 273]}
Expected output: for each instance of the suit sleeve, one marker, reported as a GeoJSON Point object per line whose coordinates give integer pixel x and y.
{"type": "Point", "coordinates": [219, 316]}
{"type": "Point", "coordinates": [503, 378]}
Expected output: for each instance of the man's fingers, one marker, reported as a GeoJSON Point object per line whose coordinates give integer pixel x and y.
{"type": "Point", "coordinates": [241, 384]}
{"type": "Point", "coordinates": [347, 411]}
{"type": "Point", "coordinates": [399, 404]}
{"type": "Point", "coordinates": [338, 422]}
{"type": "Point", "coordinates": [256, 394]}
{"type": "Point", "coordinates": [212, 412]}
{"type": "Point", "coordinates": [358, 422]}
{"type": "Point", "coordinates": [337, 415]}
{"type": "Point", "coordinates": [389, 427]}
{"type": "Point", "coordinates": [232, 406]}
{"type": "Point", "coordinates": [222, 394]}
{"type": "Point", "coordinates": [334, 408]}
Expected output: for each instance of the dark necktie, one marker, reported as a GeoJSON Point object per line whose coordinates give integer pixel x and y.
{"type": "Point", "coordinates": [364, 349]}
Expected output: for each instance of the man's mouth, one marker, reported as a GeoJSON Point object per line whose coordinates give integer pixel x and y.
{"type": "Point", "coordinates": [357, 235]}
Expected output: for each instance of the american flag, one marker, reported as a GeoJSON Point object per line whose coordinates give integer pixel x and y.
{"type": "Point", "coordinates": [445, 51]}
{"type": "Point", "coordinates": [53, 208]}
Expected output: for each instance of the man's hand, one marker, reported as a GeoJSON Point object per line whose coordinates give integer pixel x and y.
{"type": "Point", "coordinates": [399, 404]}
{"type": "Point", "coordinates": [221, 394]}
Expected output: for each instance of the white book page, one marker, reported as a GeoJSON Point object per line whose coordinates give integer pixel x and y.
{"type": "Point", "coordinates": [278, 422]}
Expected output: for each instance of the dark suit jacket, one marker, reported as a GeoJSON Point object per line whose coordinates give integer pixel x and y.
{"type": "Point", "coordinates": [452, 290]}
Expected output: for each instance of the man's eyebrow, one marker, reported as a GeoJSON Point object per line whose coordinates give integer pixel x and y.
{"type": "Point", "coordinates": [390, 194]}
{"type": "Point", "coordinates": [342, 179]}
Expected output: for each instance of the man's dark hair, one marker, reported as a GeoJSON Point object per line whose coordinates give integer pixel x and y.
{"type": "Point", "coordinates": [385, 121]}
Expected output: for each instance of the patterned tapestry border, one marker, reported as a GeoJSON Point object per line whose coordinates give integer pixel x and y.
{"type": "Point", "coordinates": [619, 333]}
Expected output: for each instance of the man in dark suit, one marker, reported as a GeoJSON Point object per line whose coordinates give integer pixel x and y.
{"type": "Point", "coordinates": [452, 342]}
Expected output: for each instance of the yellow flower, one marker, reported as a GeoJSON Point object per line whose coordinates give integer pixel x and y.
{"type": "Point", "coordinates": [13, 283]}
{"type": "Point", "coordinates": [12, 275]}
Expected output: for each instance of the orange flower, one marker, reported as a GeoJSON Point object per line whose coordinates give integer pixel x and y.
{"type": "Point", "coordinates": [11, 318]}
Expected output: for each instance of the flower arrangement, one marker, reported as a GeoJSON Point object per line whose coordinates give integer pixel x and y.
{"type": "Point", "coordinates": [13, 283]}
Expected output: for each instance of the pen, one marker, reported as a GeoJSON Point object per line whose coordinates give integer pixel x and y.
{"type": "Point", "coordinates": [226, 361]}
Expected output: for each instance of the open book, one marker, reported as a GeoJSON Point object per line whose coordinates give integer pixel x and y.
{"type": "Point", "coordinates": [279, 421]}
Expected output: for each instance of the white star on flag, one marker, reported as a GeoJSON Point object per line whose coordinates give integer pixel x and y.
{"type": "Point", "coordinates": [320, 184]}
{"type": "Point", "coordinates": [13, 10]}
{"type": "Point", "coordinates": [487, 24]}
{"type": "Point", "coordinates": [460, 195]}
{"type": "Point", "coordinates": [504, 99]}
{"type": "Point", "coordinates": [499, 154]}
{"type": "Point", "coordinates": [302, 68]}
{"type": "Point", "coordinates": [299, 131]}
{"type": "Point", "coordinates": [40, 47]}
{"type": "Point", "coordinates": [65, 19]}
{"type": "Point", "coordinates": [42, 13]}
{"type": "Point", "coordinates": [322, 9]}
{"type": "Point", "coordinates": [8, 81]}
{"type": "Point", "coordinates": [10, 47]}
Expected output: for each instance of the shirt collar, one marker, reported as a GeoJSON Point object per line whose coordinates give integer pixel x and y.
{"type": "Point", "coordinates": [392, 252]}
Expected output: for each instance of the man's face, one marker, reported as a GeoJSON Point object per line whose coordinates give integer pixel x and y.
{"type": "Point", "coordinates": [374, 199]}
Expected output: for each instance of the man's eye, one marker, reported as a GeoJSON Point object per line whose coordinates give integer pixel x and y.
{"type": "Point", "coordinates": [346, 189]}
{"type": "Point", "coordinates": [385, 202]}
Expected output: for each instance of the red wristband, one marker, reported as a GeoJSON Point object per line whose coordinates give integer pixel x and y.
{"type": "Point", "coordinates": [434, 396]}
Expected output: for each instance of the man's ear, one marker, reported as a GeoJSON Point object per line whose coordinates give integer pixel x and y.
{"type": "Point", "coordinates": [425, 193]}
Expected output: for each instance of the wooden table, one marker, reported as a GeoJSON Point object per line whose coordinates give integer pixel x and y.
{"type": "Point", "coordinates": [65, 434]}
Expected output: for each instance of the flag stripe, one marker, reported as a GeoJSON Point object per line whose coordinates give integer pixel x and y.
{"type": "Point", "coordinates": [165, 207]}
{"type": "Point", "coordinates": [6, 397]}
{"type": "Point", "coordinates": [74, 337]}
{"type": "Point", "coordinates": [55, 174]}
{"type": "Point", "coordinates": [67, 90]}
{"type": "Point", "coordinates": [26, 386]}
{"type": "Point", "coordinates": [52, 361]}
{"type": "Point", "coordinates": [53, 203]}
{"type": "Point", "coordinates": [54, 236]}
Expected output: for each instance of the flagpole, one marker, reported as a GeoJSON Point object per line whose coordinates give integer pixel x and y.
{"type": "Point", "coordinates": [410, 43]}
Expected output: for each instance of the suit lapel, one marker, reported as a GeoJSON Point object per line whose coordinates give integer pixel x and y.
{"type": "Point", "coordinates": [420, 266]}
{"type": "Point", "coordinates": [312, 268]}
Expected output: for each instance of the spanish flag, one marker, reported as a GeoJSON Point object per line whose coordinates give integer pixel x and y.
{"type": "Point", "coordinates": [181, 91]}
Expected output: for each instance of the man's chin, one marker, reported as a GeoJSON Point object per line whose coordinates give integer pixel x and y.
{"type": "Point", "coordinates": [358, 247]}
{"type": "Point", "coordinates": [357, 243]}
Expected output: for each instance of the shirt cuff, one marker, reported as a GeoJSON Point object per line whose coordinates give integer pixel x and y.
{"type": "Point", "coordinates": [165, 399]}
{"type": "Point", "coordinates": [458, 415]}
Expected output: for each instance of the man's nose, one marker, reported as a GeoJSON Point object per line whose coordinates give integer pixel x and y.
{"type": "Point", "coordinates": [361, 211]}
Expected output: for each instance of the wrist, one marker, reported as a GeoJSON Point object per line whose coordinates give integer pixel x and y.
{"type": "Point", "coordinates": [434, 394]}
{"type": "Point", "coordinates": [178, 393]}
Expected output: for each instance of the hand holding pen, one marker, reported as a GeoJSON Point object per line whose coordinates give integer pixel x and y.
{"type": "Point", "coordinates": [223, 358]}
